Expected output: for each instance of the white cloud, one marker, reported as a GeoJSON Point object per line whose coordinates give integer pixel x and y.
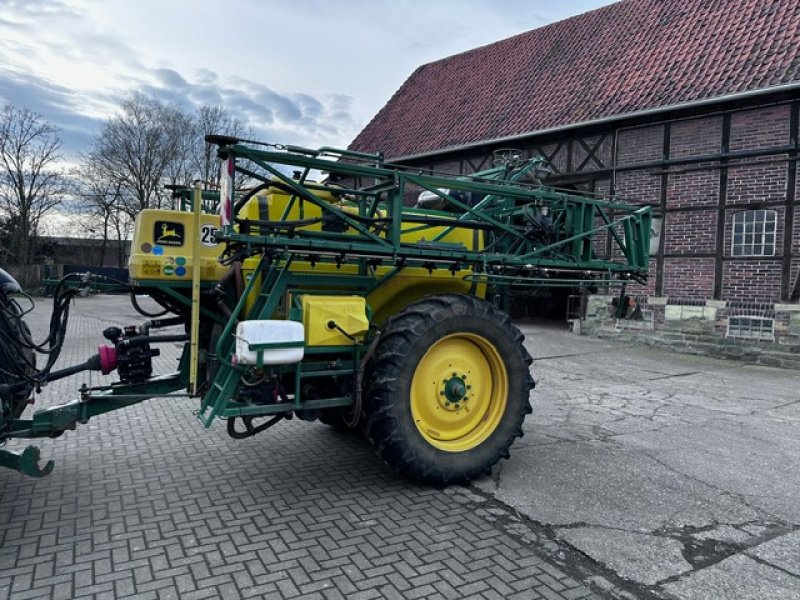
{"type": "Point", "coordinates": [311, 72]}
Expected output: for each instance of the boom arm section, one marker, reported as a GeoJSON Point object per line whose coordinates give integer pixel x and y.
{"type": "Point", "coordinates": [531, 235]}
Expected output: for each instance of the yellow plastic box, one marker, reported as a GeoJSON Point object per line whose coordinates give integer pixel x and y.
{"type": "Point", "coordinates": [348, 312]}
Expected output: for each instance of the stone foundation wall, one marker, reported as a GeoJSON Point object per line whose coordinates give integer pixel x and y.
{"type": "Point", "coordinates": [767, 334]}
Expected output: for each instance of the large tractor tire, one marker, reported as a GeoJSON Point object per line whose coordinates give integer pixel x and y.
{"type": "Point", "coordinates": [447, 389]}
{"type": "Point", "coordinates": [15, 359]}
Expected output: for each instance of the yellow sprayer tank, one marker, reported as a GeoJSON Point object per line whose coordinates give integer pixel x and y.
{"type": "Point", "coordinates": [163, 243]}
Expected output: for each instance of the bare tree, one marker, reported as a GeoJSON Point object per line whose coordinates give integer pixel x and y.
{"type": "Point", "coordinates": [181, 170]}
{"type": "Point", "coordinates": [217, 120]}
{"type": "Point", "coordinates": [141, 149]}
{"type": "Point", "coordinates": [31, 184]}
{"type": "Point", "coordinates": [104, 200]}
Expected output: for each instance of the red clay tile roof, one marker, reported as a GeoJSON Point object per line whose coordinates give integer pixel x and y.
{"type": "Point", "coordinates": [626, 57]}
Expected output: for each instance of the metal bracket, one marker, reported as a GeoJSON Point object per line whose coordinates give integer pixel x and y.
{"type": "Point", "coordinates": [26, 462]}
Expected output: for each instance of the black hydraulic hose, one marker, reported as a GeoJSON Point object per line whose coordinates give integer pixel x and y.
{"type": "Point", "coordinates": [422, 220]}
{"type": "Point", "coordinates": [281, 224]}
{"type": "Point", "coordinates": [12, 388]}
{"type": "Point", "coordinates": [243, 200]}
{"type": "Point", "coordinates": [92, 364]}
{"type": "Point", "coordinates": [159, 323]}
{"type": "Point", "coordinates": [279, 185]}
{"type": "Point", "coordinates": [17, 339]}
{"type": "Point", "coordinates": [142, 311]}
{"type": "Point", "coordinates": [250, 431]}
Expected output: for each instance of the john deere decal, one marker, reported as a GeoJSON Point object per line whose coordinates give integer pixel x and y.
{"type": "Point", "coordinates": [168, 233]}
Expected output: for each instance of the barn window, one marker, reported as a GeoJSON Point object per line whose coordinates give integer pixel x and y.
{"type": "Point", "coordinates": [754, 233]}
{"type": "Point", "coordinates": [751, 327]}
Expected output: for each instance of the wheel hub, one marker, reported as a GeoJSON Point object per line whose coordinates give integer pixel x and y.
{"type": "Point", "coordinates": [454, 391]}
{"type": "Point", "coordinates": [458, 392]}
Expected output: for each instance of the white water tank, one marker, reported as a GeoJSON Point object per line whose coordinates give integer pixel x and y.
{"type": "Point", "coordinates": [269, 332]}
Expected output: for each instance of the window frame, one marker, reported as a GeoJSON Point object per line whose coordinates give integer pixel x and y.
{"type": "Point", "coordinates": [752, 238]}
{"type": "Point", "coordinates": [751, 327]}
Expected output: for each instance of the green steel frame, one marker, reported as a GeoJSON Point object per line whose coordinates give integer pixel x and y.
{"type": "Point", "coordinates": [500, 215]}
{"type": "Point", "coordinates": [514, 259]}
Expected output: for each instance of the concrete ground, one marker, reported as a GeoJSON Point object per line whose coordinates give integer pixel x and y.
{"type": "Point", "coordinates": [677, 476]}
{"type": "Point", "coordinates": [642, 474]}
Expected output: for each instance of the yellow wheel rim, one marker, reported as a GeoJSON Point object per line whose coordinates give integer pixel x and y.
{"type": "Point", "coordinates": [459, 392]}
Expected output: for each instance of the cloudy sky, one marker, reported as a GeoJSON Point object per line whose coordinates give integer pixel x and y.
{"type": "Point", "coordinates": [310, 72]}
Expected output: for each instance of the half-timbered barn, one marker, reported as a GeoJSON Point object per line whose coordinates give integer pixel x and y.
{"type": "Point", "coordinates": [692, 107]}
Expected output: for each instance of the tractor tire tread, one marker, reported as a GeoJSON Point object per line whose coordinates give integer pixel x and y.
{"type": "Point", "coordinates": [383, 389]}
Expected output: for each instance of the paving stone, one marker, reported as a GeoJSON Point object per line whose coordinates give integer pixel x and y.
{"type": "Point", "coordinates": [144, 503]}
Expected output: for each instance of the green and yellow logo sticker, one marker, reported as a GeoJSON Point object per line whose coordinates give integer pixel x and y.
{"type": "Point", "coordinates": [168, 233]}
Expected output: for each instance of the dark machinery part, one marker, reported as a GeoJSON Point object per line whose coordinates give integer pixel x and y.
{"type": "Point", "coordinates": [17, 363]}
{"type": "Point", "coordinates": [249, 429]}
{"type": "Point", "coordinates": [263, 390]}
{"type": "Point", "coordinates": [539, 226]}
{"type": "Point", "coordinates": [134, 354]}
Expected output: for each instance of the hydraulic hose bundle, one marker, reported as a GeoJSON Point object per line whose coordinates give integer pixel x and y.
{"type": "Point", "coordinates": [19, 374]}
{"type": "Point", "coordinates": [17, 362]}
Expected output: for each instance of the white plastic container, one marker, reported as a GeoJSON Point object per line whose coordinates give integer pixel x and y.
{"type": "Point", "coordinates": [269, 332]}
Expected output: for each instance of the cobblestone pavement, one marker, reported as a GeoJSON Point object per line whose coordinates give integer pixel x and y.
{"type": "Point", "coordinates": [144, 503]}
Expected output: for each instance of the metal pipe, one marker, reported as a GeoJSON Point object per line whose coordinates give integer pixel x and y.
{"type": "Point", "coordinates": [141, 340]}
{"type": "Point", "coordinates": [194, 321]}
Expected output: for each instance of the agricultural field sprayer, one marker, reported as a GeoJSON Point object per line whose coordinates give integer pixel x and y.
{"type": "Point", "coordinates": [341, 288]}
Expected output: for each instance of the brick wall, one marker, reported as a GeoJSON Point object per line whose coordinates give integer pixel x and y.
{"type": "Point", "coordinates": [757, 180]}
{"type": "Point", "coordinates": [638, 187]}
{"type": "Point", "coordinates": [697, 187]}
{"type": "Point", "coordinates": [695, 137]}
{"type": "Point", "coordinates": [751, 281]}
{"type": "Point", "coordinates": [796, 235]}
{"type": "Point", "coordinates": [687, 277]}
{"type": "Point", "coordinates": [760, 128]}
{"type": "Point", "coordinates": [688, 193]}
{"type": "Point", "coordinates": [691, 232]}
{"type": "Point", "coordinates": [797, 188]}
{"type": "Point", "coordinates": [640, 145]}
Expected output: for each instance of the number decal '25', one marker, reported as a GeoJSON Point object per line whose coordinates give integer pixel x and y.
{"type": "Point", "coordinates": [207, 235]}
